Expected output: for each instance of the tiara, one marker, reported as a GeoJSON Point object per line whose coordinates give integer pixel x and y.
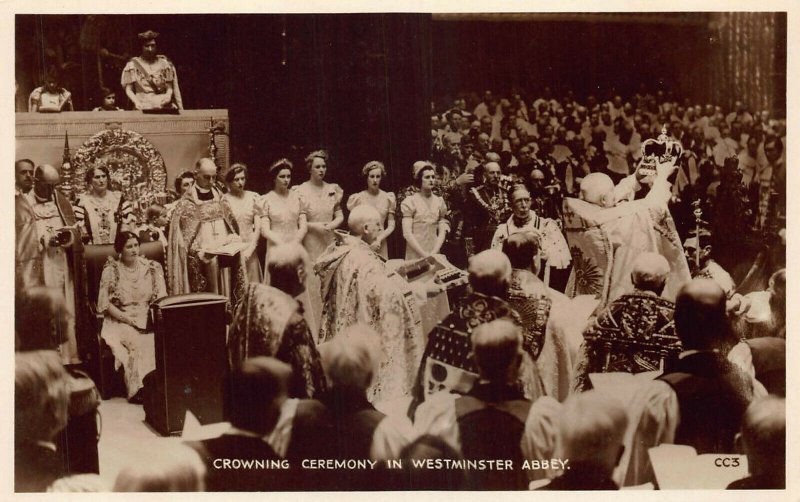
{"type": "Point", "coordinates": [284, 162]}
{"type": "Point", "coordinates": [322, 154]}
{"type": "Point", "coordinates": [373, 164]}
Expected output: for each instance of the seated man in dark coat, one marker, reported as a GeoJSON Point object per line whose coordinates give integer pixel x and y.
{"type": "Point", "coordinates": [635, 332]}
{"type": "Point", "coordinates": [447, 364]}
{"type": "Point", "coordinates": [241, 460]}
{"type": "Point", "coordinates": [495, 408]}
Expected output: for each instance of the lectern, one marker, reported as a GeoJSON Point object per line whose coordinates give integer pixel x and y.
{"type": "Point", "coordinates": [191, 361]}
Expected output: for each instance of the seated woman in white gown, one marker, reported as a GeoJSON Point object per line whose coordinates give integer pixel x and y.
{"type": "Point", "coordinates": [128, 286]}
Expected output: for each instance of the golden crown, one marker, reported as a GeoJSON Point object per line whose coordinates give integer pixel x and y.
{"type": "Point", "coordinates": [660, 151]}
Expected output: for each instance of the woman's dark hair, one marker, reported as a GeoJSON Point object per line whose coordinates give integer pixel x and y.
{"type": "Point", "coordinates": [521, 248]}
{"type": "Point", "coordinates": [122, 238]}
{"type": "Point", "coordinates": [421, 173]}
{"type": "Point", "coordinates": [276, 167]}
{"type": "Point", "coordinates": [89, 174]}
{"type": "Point", "coordinates": [179, 180]}
{"type": "Point", "coordinates": [53, 75]}
{"type": "Point", "coordinates": [235, 169]}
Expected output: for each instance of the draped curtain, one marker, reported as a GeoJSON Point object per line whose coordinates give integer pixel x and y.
{"type": "Point", "coordinates": [749, 55]}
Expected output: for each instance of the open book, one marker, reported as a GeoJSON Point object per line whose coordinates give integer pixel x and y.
{"type": "Point", "coordinates": [680, 467]}
{"type": "Point", "coordinates": [230, 249]}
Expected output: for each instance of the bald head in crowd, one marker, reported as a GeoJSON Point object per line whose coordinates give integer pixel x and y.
{"type": "Point", "coordinates": [489, 273]}
{"type": "Point", "coordinates": [351, 359]}
{"type": "Point", "coordinates": [650, 271]}
{"type": "Point", "coordinates": [497, 348]}
{"type": "Point", "coordinates": [177, 468]}
{"type": "Point", "coordinates": [592, 428]}
{"type": "Point", "coordinates": [763, 436]}
{"type": "Point", "coordinates": [598, 188]}
{"type": "Point", "coordinates": [700, 320]}
{"type": "Point", "coordinates": [491, 173]}
{"type": "Point", "coordinates": [365, 222]}
{"type": "Point", "coordinates": [493, 157]}
{"type": "Point", "coordinates": [45, 179]}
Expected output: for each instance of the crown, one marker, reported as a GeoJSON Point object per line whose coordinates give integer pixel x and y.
{"type": "Point", "coordinates": [659, 151]}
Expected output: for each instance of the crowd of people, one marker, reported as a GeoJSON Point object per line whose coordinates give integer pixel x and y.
{"type": "Point", "coordinates": [589, 235]}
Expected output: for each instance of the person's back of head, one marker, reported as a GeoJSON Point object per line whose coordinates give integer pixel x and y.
{"type": "Point", "coordinates": [598, 189]}
{"type": "Point", "coordinates": [177, 468]}
{"type": "Point", "coordinates": [521, 249]}
{"type": "Point", "coordinates": [700, 319]}
{"type": "Point", "coordinates": [769, 362]}
{"type": "Point", "coordinates": [591, 430]}
{"type": "Point", "coordinates": [205, 164]}
{"type": "Point", "coordinates": [777, 283]}
{"type": "Point", "coordinates": [763, 437]}
{"type": "Point", "coordinates": [41, 397]}
{"type": "Point", "coordinates": [256, 390]}
{"type": "Point", "coordinates": [288, 265]}
{"type": "Point", "coordinates": [497, 348]}
{"type": "Point", "coordinates": [649, 273]}
{"type": "Point", "coordinates": [351, 359]}
{"type": "Point", "coordinates": [489, 273]}
{"type": "Point", "coordinates": [361, 218]}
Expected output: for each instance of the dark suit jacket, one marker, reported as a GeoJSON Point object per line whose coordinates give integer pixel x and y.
{"type": "Point", "coordinates": [712, 397]}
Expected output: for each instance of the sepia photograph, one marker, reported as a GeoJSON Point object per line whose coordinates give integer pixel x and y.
{"type": "Point", "coordinates": [400, 251]}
